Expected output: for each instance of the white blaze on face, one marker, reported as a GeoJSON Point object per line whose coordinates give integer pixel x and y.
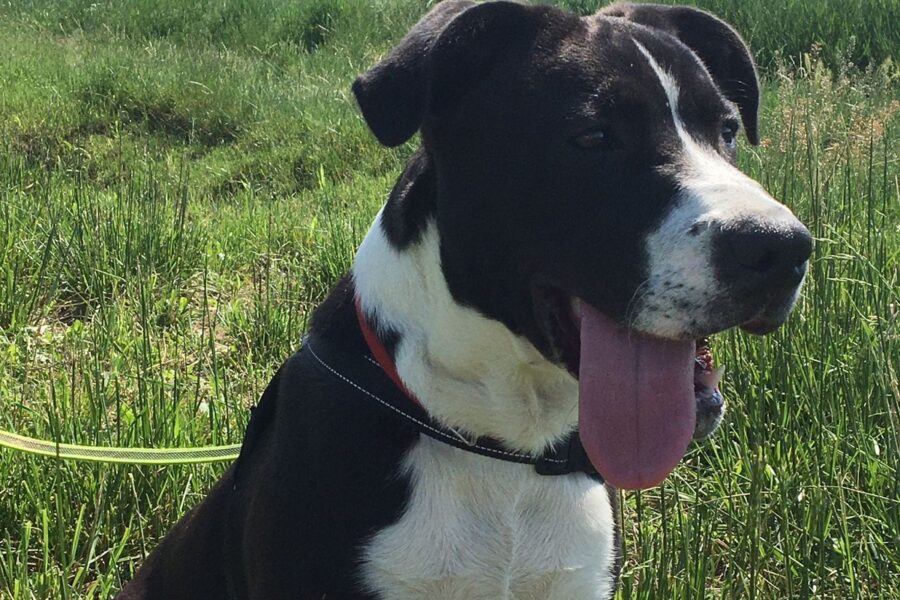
{"type": "Point", "coordinates": [681, 289]}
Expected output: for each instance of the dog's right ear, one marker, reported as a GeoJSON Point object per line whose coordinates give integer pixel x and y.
{"type": "Point", "coordinates": [721, 49]}
{"type": "Point", "coordinates": [443, 56]}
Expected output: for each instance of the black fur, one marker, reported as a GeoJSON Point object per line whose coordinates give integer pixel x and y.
{"type": "Point", "coordinates": [411, 203]}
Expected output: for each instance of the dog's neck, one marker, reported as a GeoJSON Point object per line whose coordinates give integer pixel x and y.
{"type": "Point", "coordinates": [470, 372]}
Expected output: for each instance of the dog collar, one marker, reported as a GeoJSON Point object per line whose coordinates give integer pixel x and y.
{"type": "Point", "coordinates": [374, 376]}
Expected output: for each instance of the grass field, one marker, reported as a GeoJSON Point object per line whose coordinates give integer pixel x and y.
{"type": "Point", "coordinates": [180, 183]}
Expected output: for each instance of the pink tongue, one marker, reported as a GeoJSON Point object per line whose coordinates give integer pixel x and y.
{"type": "Point", "coordinates": [636, 404]}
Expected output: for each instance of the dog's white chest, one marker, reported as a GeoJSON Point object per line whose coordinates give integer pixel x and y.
{"type": "Point", "coordinates": [482, 529]}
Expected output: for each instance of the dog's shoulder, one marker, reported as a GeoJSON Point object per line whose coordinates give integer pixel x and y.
{"type": "Point", "coordinates": [318, 473]}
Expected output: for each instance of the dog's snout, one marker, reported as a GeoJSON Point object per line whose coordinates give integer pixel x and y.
{"type": "Point", "coordinates": [751, 254]}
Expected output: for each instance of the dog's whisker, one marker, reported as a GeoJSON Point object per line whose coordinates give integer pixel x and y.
{"type": "Point", "coordinates": [634, 303]}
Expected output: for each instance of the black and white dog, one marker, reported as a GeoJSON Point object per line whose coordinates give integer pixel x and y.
{"type": "Point", "coordinates": [519, 329]}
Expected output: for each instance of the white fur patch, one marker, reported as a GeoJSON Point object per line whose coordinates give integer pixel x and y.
{"type": "Point", "coordinates": [481, 529]}
{"type": "Point", "coordinates": [470, 372]}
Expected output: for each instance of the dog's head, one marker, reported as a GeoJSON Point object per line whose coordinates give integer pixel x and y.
{"type": "Point", "coordinates": [586, 195]}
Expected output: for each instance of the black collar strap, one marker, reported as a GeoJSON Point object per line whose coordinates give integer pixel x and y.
{"type": "Point", "coordinates": [366, 376]}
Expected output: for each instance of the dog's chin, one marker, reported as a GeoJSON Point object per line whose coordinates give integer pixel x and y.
{"type": "Point", "coordinates": [772, 316]}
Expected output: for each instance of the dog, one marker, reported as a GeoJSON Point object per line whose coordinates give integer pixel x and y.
{"type": "Point", "coordinates": [519, 333]}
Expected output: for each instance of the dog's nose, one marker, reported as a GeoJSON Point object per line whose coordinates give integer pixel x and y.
{"type": "Point", "coordinates": [751, 254]}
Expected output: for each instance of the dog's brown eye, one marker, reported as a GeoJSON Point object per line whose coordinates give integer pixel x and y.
{"type": "Point", "coordinates": [729, 134]}
{"type": "Point", "coordinates": [592, 140]}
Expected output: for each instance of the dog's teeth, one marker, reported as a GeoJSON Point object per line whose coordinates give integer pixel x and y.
{"type": "Point", "coordinates": [717, 376]}
{"type": "Point", "coordinates": [709, 379]}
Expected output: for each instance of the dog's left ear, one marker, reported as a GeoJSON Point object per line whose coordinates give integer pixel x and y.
{"type": "Point", "coordinates": [443, 56]}
{"type": "Point", "coordinates": [718, 45]}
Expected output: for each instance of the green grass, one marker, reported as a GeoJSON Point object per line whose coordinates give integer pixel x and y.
{"type": "Point", "coordinates": [180, 183]}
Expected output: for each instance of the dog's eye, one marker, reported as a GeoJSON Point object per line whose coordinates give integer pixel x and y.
{"type": "Point", "coordinates": [729, 134]}
{"type": "Point", "coordinates": [596, 139]}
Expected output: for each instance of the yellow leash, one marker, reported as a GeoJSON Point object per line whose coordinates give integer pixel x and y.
{"type": "Point", "coordinates": [130, 456]}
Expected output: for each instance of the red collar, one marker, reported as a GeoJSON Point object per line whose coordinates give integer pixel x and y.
{"type": "Point", "coordinates": [380, 353]}
{"type": "Point", "coordinates": [568, 457]}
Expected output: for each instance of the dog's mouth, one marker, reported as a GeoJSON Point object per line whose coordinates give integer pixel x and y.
{"type": "Point", "coordinates": [637, 394]}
